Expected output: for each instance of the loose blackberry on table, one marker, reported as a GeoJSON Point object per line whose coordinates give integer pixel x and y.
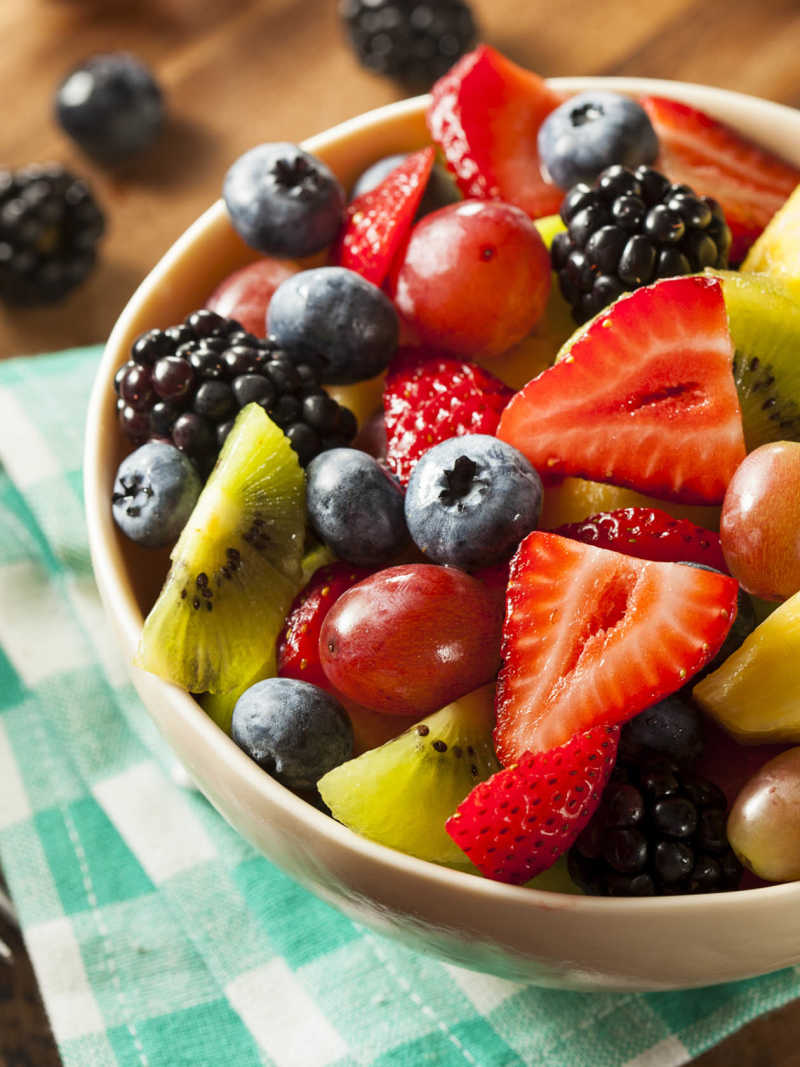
{"type": "Point", "coordinates": [50, 224]}
{"type": "Point", "coordinates": [630, 229]}
{"type": "Point", "coordinates": [414, 42]}
{"type": "Point", "coordinates": [188, 382]}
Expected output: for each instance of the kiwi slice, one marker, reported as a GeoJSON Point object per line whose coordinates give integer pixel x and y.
{"type": "Point", "coordinates": [236, 566]}
{"type": "Point", "coordinates": [219, 706]}
{"type": "Point", "coordinates": [402, 793]}
{"type": "Point", "coordinates": [764, 320]}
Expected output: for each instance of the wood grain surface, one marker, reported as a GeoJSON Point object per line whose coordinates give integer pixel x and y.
{"type": "Point", "coordinates": [237, 72]}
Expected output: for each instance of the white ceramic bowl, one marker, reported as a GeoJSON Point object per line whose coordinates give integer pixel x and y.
{"type": "Point", "coordinates": [561, 940]}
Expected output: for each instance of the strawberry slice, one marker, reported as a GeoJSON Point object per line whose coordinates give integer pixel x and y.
{"type": "Point", "coordinates": [428, 399]}
{"type": "Point", "coordinates": [298, 643]}
{"type": "Point", "coordinates": [377, 221]}
{"type": "Point", "coordinates": [517, 823]}
{"type": "Point", "coordinates": [648, 533]}
{"type": "Point", "coordinates": [485, 115]}
{"type": "Point", "coordinates": [750, 182]}
{"type": "Point", "coordinates": [593, 637]}
{"type": "Point", "coordinates": [645, 398]}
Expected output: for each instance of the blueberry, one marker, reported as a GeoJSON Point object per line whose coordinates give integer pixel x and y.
{"type": "Point", "coordinates": [293, 730]}
{"type": "Point", "coordinates": [155, 490]}
{"type": "Point", "coordinates": [439, 192]}
{"type": "Point", "coordinates": [339, 316]}
{"type": "Point", "coordinates": [111, 105]}
{"type": "Point", "coordinates": [375, 174]}
{"type": "Point", "coordinates": [356, 507]}
{"type": "Point", "coordinates": [589, 132]}
{"type": "Point", "coordinates": [283, 201]}
{"type": "Point", "coordinates": [672, 728]}
{"type": "Point", "coordinates": [471, 500]}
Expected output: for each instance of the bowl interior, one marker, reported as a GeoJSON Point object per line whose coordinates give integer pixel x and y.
{"type": "Point", "coordinates": [370, 881]}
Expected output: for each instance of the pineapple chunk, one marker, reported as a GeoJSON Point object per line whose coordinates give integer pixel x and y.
{"type": "Point", "coordinates": [755, 694]}
{"type": "Point", "coordinates": [575, 499]}
{"type": "Point", "coordinates": [777, 250]}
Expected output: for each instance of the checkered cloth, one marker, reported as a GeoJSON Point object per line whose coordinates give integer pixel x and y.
{"type": "Point", "coordinates": [159, 937]}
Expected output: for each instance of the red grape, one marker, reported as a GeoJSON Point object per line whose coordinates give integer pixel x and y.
{"type": "Point", "coordinates": [760, 522]}
{"type": "Point", "coordinates": [473, 279]}
{"type": "Point", "coordinates": [764, 823]}
{"type": "Point", "coordinates": [245, 294]}
{"type": "Point", "coordinates": [410, 639]}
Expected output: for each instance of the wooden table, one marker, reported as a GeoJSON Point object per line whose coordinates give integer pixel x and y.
{"type": "Point", "coordinates": [241, 71]}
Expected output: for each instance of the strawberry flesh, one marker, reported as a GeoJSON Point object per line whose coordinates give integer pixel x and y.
{"type": "Point", "coordinates": [428, 399]}
{"type": "Point", "coordinates": [485, 115]}
{"type": "Point", "coordinates": [648, 533]}
{"type": "Point", "coordinates": [646, 398]}
{"type": "Point", "coordinates": [750, 182]}
{"type": "Point", "coordinates": [592, 637]}
{"type": "Point", "coordinates": [298, 643]}
{"type": "Point", "coordinates": [517, 823]}
{"type": "Point", "coordinates": [378, 221]}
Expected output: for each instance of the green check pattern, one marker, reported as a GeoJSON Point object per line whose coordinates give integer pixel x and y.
{"type": "Point", "coordinates": [159, 937]}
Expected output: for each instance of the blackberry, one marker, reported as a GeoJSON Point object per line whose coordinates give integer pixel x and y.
{"type": "Point", "coordinates": [188, 382]}
{"type": "Point", "coordinates": [414, 41]}
{"type": "Point", "coordinates": [49, 226]}
{"type": "Point", "coordinates": [659, 830]}
{"type": "Point", "coordinates": [629, 229]}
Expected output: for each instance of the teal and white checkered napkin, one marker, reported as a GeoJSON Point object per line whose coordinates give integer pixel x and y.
{"type": "Point", "coordinates": [159, 937]}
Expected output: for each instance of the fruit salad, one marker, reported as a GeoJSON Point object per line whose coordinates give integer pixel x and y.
{"type": "Point", "coordinates": [483, 520]}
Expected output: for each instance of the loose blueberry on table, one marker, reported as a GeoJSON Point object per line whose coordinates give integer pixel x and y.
{"type": "Point", "coordinates": [111, 105]}
{"type": "Point", "coordinates": [510, 632]}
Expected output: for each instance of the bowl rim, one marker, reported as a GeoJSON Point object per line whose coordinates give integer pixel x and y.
{"type": "Point", "coordinates": [123, 611]}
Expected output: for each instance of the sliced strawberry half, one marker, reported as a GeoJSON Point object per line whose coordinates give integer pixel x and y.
{"type": "Point", "coordinates": [298, 643]}
{"type": "Point", "coordinates": [428, 399]}
{"type": "Point", "coordinates": [749, 182]}
{"type": "Point", "coordinates": [593, 637]}
{"type": "Point", "coordinates": [517, 823]}
{"type": "Point", "coordinates": [377, 221]}
{"type": "Point", "coordinates": [648, 533]}
{"type": "Point", "coordinates": [645, 398]}
{"type": "Point", "coordinates": [485, 115]}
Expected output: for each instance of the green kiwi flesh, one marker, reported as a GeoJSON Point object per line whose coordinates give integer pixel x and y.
{"type": "Point", "coordinates": [764, 321]}
{"type": "Point", "coordinates": [219, 706]}
{"type": "Point", "coordinates": [236, 566]}
{"type": "Point", "coordinates": [402, 793]}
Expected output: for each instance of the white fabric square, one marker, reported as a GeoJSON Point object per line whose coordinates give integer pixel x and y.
{"type": "Point", "coordinates": [87, 604]}
{"type": "Point", "coordinates": [667, 1053]}
{"type": "Point", "coordinates": [283, 1018]}
{"type": "Point", "coordinates": [484, 991]}
{"type": "Point", "coordinates": [155, 821]}
{"type": "Point", "coordinates": [37, 630]}
{"type": "Point", "coordinates": [14, 803]}
{"type": "Point", "coordinates": [24, 452]}
{"type": "Point", "coordinates": [65, 988]}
